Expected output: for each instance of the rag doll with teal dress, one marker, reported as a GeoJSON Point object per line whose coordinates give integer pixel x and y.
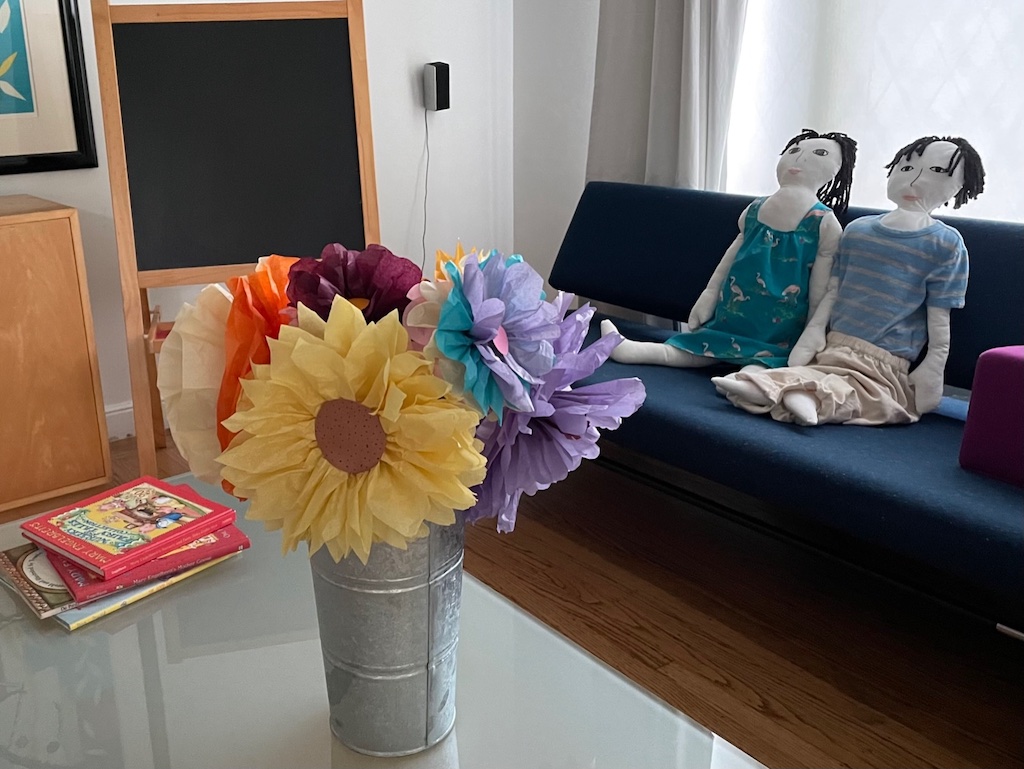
{"type": "Point", "coordinates": [775, 272]}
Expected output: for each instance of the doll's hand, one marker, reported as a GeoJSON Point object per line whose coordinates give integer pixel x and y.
{"type": "Point", "coordinates": [927, 387]}
{"type": "Point", "coordinates": [810, 343]}
{"type": "Point", "coordinates": [702, 310]}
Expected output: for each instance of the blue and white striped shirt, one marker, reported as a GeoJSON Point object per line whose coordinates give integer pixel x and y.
{"type": "Point", "coordinates": [887, 279]}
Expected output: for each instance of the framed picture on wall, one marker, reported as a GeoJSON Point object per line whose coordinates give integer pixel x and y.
{"type": "Point", "coordinates": [45, 122]}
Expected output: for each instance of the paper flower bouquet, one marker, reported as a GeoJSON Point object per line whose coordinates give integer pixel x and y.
{"type": "Point", "coordinates": [352, 401]}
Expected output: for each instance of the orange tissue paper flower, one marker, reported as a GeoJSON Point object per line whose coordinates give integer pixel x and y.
{"type": "Point", "coordinates": [258, 310]}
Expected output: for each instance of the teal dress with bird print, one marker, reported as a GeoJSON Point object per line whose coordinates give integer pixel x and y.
{"type": "Point", "coordinates": [762, 307]}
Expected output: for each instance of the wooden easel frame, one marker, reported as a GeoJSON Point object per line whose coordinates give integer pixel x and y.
{"type": "Point", "coordinates": [135, 284]}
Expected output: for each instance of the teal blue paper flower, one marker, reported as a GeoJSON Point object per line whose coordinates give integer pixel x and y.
{"type": "Point", "coordinates": [498, 331]}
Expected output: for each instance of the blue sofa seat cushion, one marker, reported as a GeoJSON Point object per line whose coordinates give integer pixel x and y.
{"type": "Point", "coordinates": [900, 488]}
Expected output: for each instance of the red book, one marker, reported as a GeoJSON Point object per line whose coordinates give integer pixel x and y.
{"type": "Point", "coordinates": [86, 586]}
{"type": "Point", "coordinates": [123, 528]}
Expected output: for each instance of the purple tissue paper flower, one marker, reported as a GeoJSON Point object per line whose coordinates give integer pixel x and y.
{"type": "Point", "coordinates": [531, 450]}
{"type": "Point", "coordinates": [375, 280]}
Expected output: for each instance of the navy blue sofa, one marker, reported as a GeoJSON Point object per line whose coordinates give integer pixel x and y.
{"type": "Point", "coordinates": [893, 498]}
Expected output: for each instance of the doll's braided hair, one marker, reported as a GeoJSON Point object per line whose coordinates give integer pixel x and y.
{"type": "Point", "coordinates": [836, 193]}
{"type": "Point", "coordinates": [974, 172]}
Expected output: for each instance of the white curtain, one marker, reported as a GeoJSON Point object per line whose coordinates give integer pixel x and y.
{"type": "Point", "coordinates": [663, 86]}
{"type": "Point", "coordinates": [663, 90]}
{"type": "Point", "coordinates": [886, 73]}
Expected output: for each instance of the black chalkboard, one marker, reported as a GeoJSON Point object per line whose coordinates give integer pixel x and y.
{"type": "Point", "coordinates": [240, 139]}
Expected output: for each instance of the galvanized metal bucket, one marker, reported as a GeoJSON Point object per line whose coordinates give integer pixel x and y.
{"type": "Point", "coordinates": [389, 631]}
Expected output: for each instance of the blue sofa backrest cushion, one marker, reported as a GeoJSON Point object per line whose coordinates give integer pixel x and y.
{"type": "Point", "coordinates": [653, 249]}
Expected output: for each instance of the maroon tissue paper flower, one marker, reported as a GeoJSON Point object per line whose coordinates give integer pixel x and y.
{"type": "Point", "coordinates": [375, 280]}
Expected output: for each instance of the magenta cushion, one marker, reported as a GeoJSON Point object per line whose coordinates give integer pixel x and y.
{"type": "Point", "coordinates": [993, 443]}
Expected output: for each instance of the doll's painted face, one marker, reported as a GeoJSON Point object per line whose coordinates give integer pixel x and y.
{"type": "Point", "coordinates": [922, 182]}
{"type": "Point", "coordinates": [811, 163]}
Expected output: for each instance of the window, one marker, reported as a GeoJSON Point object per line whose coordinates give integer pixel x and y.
{"type": "Point", "coordinates": [885, 73]}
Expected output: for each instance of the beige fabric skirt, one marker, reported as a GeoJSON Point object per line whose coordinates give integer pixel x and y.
{"type": "Point", "coordinates": [855, 383]}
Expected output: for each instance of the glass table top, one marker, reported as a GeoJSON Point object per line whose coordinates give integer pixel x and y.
{"type": "Point", "coordinates": [224, 670]}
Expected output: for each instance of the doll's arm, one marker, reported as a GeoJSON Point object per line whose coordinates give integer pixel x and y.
{"type": "Point", "coordinates": [812, 340]}
{"type": "Point", "coordinates": [927, 378]}
{"type": "Point", "coordinates": [706, 303]}
{"type": "Point", "coordinates": [821, 294]}
{"type": "Point", "coordinates": [828, 241]}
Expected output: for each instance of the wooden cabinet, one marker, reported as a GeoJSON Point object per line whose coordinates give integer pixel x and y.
{"type": "Point", "coordinates": [53, 430]}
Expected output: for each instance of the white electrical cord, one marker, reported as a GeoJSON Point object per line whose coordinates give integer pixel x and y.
{"type": "Point", "coordinates": [426, 187]}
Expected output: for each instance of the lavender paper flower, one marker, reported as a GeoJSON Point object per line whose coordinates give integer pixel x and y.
{"type": "Point", "coordinates": [533, 449]}
{"type": "Point", "coordinates": [495, 332]}
{"type": "Point", "coordinates": [375, 280]}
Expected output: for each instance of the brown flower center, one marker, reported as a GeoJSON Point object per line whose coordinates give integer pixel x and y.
{"type": "Point", "coordinates": [349, 435]}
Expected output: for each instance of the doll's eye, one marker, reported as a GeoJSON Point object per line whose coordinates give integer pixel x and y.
{"type": "Point", "coordinates": [821, 152]}
{"type": "Point", "coordinates": [907, 168]}
{"type": "Point", "coordinates": [938, 169]}
{"type": "Point", "coordinates": [793, 150]}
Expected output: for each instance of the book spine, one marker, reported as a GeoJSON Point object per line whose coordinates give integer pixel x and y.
{"type": "Point", "coordinates": [49, 544]}
{"type": "Point", "coordinates": [52, 538]}
{"type": "Point", "coordinates": [85, 618]}
{"type": "Point", "coordinates": [91, 592]}
{"type": "Point", "coordinates": [132, 559]}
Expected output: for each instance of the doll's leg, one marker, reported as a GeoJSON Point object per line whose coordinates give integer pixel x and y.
{"type": "Point", "coordinates": [742, 389]}
{"type": "Point", "coordinates": [803, 405]}
{"type": "Point", "coordinates": [654, 353]}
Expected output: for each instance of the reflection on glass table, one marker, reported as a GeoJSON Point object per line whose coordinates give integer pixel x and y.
{"type": "Point", "coordinates": [224, 670]}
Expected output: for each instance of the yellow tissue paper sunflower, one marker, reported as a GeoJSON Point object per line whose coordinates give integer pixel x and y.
{"type": "Point", "coordinates": [347, 438]}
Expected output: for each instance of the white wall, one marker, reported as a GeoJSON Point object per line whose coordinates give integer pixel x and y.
{"type": "Point", "coordinates": [470, 167]}
{"type": "Point", "coordinates": [470, 192]}
{"type": "Point", "coordinates": [554, 50]}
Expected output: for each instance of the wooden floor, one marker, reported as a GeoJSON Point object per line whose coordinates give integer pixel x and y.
{"type": "Point", "coordinates": [793, 657]}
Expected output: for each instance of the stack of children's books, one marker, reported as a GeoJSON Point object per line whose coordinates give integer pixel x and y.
{"type": "Point", "coordinates": [87, 560]}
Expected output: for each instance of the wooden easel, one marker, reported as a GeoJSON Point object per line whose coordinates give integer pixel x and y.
{"type": "Point", "coordinates": [144, 332]}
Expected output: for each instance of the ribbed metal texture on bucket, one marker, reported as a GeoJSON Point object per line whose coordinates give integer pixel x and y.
{"type": "Point", "coordinates": [389, 631]}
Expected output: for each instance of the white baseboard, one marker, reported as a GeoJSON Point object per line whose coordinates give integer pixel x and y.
{"type": "Point", "coordinates": [120, 420]}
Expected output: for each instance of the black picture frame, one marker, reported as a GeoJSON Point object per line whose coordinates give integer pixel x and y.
{"type": "Point", "coordinates": [85, 155]}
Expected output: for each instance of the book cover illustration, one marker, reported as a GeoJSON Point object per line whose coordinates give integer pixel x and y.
{"type": "Point", "coordinates": [27, 571]}
{"type": "Point", "coordinates": [127, 526]}
{"type": "Point", "coordinates": [74, 618]}
{"type": "Point", "coordinates": [86, 585]}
